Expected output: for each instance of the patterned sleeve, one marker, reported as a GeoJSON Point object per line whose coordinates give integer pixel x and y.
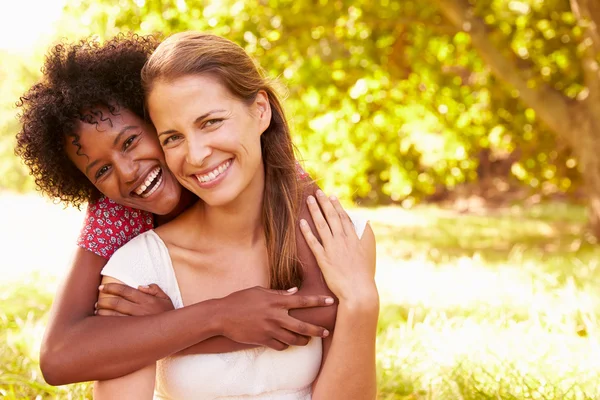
{"type": "Point", "coordinates": [108, 226]}
{"type": "Point", "coordinates": [302, 174]}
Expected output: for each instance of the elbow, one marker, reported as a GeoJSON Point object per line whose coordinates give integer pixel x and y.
{"type": "Point", "coordinates": [52, 365]}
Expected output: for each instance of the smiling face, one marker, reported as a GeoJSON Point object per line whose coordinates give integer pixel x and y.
{"type": "Point", "coordinates": [122, 157]}
{"type": "Point", "coordinates": [210, 138]}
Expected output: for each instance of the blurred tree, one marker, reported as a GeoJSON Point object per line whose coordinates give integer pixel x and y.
{"type": "Point", "coordinates": [395, 99]}
{"type": "Point", "coordinates": [16, 74]}
{"type": "Point", "coordinates": [524, 45]}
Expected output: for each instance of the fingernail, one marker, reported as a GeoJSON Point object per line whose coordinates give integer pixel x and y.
{"type": "Point", "coordinates": [145, 286]}
{"type": "Point", "coordinates": [100, 287]}
{"type": "Point", "coordinates": [320, 193]}
{"type": "Point", "coordinates": [332, 198]}
{"type": "Point", "coordinates": [292, 290]}
{"type": "Point", "coordinates": [325, 333]}
{"type": "Point", "coordinates": [95, 312]}
{"type": "Point", "coordinates": [311, 200]}
{"type": "Point", "coordinates": [96, 305]}
{"type": "Point", "coordinates": [329, 300]}
{"type": "Point", "coordinates": [303, 222]}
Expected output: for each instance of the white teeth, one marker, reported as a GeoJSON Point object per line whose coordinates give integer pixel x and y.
{"type": "Point", "coordinates": [149, 179]}
{"type": "Point", "coordinates": [212, 175]}
{"type": "Point", "coordinates": [155, 188]}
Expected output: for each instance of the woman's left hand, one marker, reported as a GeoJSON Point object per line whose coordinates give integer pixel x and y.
{"type": "Point", "coordinates": [127, 301]}
{"type": "Point", "coordinates": [348, 267]}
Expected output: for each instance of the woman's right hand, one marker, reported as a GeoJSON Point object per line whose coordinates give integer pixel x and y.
{"type": "Point", "coordinates": [260, 316]}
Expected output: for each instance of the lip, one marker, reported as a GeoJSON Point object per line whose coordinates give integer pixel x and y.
{"type": "Point", "coordinates": [214, 182]}
{"type": "Point", "coordinates": [142, 179]}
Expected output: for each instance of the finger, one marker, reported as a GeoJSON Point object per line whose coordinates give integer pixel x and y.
{"type": "Point", "coordinates": [286, 337]}
{"type": "Point", "coordinates": [311, 240]}
{"type": "Point", "coordinates": [331, 214]}
{"type": "Point", "coordinates": [117, 304]}
{"type": "Point", "coordinates": [320, 222]}
{"type": "Point", "coordinates": [153, 290]}
{"type": "Point", "coordinates": [303, 328]}
{"type": "Point", "coordinates": [121, 290]}
{"type": "Point", "coordinates": [110, 313]}
{"type": "Point", "coordinates": [301, 301]}
{"type": "Point", "coordinates": [277, 345]}
{"type": "Point", "coordinates": [347, 224]}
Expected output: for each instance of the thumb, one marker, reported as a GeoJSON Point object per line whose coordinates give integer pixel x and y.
{"type": "Point", "coordinates": [154, 290]}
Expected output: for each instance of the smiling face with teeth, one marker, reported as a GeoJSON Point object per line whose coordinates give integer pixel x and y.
{"type": "Point", "coordinates": [211, 139]}
{"type": "Point", "coordinates": [120, 154]}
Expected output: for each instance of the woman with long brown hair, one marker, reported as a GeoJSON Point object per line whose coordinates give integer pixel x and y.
{"type": "Point", "coordinates": [226, 139]}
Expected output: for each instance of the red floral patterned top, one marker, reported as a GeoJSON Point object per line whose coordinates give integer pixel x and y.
{"type": "Point", "coordinates": [108, 225]}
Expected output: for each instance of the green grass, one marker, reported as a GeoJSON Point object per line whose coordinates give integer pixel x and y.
{"type": "Point", "coordinates": [497, 306]}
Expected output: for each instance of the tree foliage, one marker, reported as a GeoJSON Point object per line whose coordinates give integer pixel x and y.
{"type": "Point", "coordinates": [390, 100]}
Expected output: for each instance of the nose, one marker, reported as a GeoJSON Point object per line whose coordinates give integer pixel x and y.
{"type": "Point", "coordinates": [198, 150]}
{"type": "Point", "coordinates": [127, 170]}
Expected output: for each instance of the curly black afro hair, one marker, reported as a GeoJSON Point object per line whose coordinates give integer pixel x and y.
{"type": "Point", "coordinates": [76, 78]}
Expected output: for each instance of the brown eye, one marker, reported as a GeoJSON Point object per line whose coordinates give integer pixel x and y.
{"type": "Point", "coordinates": [212, 122]}
{"type": "Point", "coordinates": [129, 142]}
{"type": "Point", "coordinates": [102, 171]}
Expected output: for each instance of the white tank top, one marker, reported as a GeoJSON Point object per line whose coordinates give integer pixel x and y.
{"type": "Point", "coordinates": [258, 374]}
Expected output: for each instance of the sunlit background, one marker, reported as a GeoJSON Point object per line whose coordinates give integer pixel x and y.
{"type": "Point", "coordinates": [465, 133]}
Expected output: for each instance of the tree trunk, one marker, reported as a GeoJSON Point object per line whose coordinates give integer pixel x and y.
{"type": "Point", "coordinates": [576, 122]}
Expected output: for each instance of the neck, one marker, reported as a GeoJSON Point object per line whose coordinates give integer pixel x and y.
{"type": "Point", "coordinates": [241, 220]}
{"type": "Point", "coordinates": [185, 201]}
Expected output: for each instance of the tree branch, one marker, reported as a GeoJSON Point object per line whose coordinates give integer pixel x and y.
{"type": "Point", "coordinates": [588, 13]}
{"type": "Point", "coordinates": [550, 105]}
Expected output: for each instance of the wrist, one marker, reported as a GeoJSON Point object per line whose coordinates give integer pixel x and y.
{"type": "Point", "coordinates": [211, 321]}
{"type": "Point", "coordinates": [363, 301]}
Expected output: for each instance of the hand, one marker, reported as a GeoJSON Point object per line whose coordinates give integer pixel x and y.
{"type": "Point", "coordinates": [260, 316]}
{"type": "Point", "coordinates": [348, 265]}
{"type": "Point", "coordinates": [138, 302]}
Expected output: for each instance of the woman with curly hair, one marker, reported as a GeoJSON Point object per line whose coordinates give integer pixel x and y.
{"type": "Point", "coordinates": [88, 107]}
{"type": "Point", "coordinates": [226, 139]}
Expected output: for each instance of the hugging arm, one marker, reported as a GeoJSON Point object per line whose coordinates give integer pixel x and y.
{"type": "Point", "coordinates": [80, 346]}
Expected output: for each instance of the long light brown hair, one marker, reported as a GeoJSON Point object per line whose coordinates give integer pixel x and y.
{"type": "Point", "coordinates": [194, 53]}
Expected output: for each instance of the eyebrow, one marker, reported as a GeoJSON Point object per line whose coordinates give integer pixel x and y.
{"type": "Point", "coordinates": [200, 118]}
{"type": "Point", "coordinates": [117, 139]}
{"type": "Point", "coordinates": [125, 129]}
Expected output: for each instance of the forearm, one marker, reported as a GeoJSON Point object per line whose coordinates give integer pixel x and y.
{"type": "Point", "coordinates": [101, 348]}
{"type": "Point", "coordinates": [215, 345]}
{"type": "Point", "coordinates": [349, 370]}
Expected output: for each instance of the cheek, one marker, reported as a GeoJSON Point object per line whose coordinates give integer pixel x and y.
{"type": "Point", "coordinates": [173, 159]}
{"type": "Point", "coordinates": [110, 188]}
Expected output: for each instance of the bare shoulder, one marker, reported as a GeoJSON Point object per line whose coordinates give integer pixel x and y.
{"type": "Point", "coordinates": [368, 237]}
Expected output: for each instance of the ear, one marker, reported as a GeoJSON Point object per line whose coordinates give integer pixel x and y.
{"type": "Point", "coordinates": [263, 108]}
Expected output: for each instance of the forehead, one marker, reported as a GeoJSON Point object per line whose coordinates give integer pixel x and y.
{"type": "Point", "coordinates": [101, 119]}
{"type": "Point", "coordinates": [168, 95]}
{"type": "Point", "coordinates": [98, 130]}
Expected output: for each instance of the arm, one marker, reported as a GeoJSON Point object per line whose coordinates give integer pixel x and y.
{"type": "Point", "coordinates": [348, 265]}
{"type": "Point", "coordinates": [349, 358]}
{"type": "Point", "coordinates": [79, 346]}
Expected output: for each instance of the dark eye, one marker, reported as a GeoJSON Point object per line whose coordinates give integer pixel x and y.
{"type": "Point", "coordinates": [213, 122]}
{"type": "Point", "coordinates": [170, 139]}
{"type": "Point", "coordinates": [104, 169]}
{"type": "Point", "coordinates": [129, 142]}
